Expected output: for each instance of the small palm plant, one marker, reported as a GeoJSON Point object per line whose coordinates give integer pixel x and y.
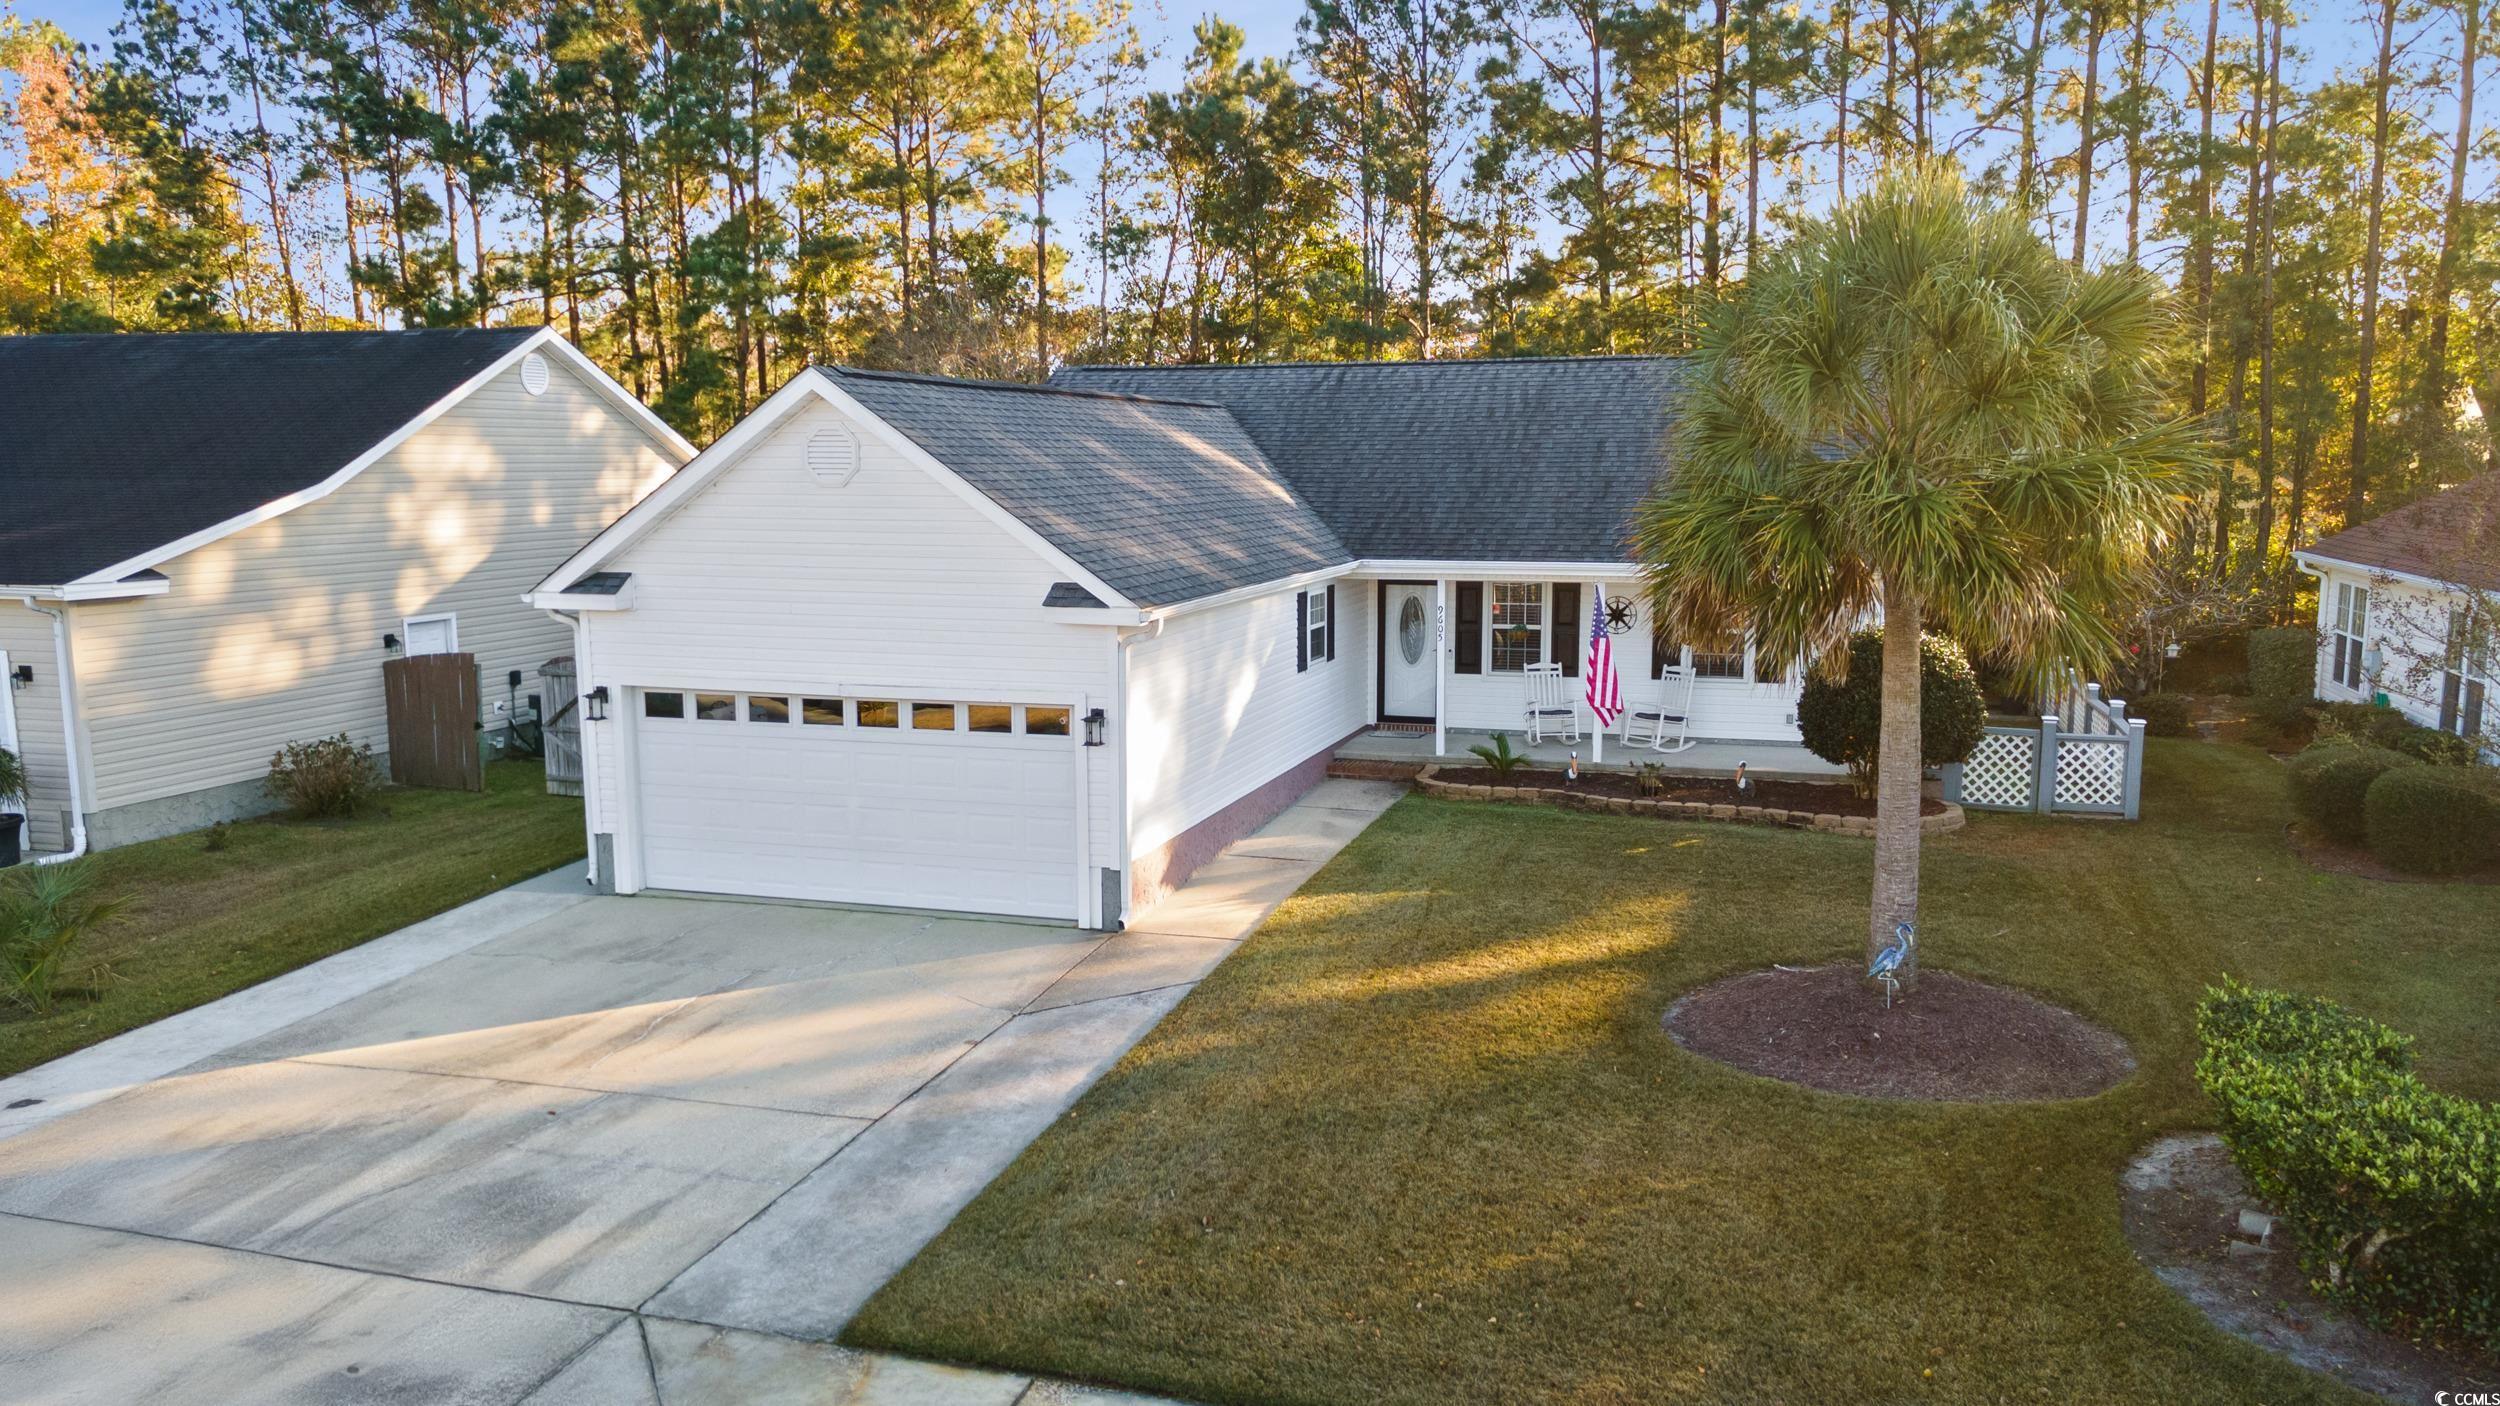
{"type": "Point", "coordinates": [44, 915]}
{"type": "Point", "coordinates": [1499, 757]}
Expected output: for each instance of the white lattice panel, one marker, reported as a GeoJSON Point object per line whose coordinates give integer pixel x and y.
{"type": "Point", "coordinates": [1999, 775]}
{"type": "Point", "coordinates": [2091, 773]}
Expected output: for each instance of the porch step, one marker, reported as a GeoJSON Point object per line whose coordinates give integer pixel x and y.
{"type": "Point", "coordinates": [1365, 769]}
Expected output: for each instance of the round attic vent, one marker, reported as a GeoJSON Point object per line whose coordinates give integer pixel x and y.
{"type": "Point", "coordinates": [833, 456]}
{"type": "Point", "coordinates": [534, 374]}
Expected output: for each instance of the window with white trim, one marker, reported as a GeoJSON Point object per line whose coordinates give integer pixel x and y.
{"type": "Point", "coordinates": [2349, 625]}
{"type": "Point", "coordinates": [2465, 679]}
{"type": "Point", "coordinates": [1315, 624]}
{"type": "Point", "coordinates": [430, 634]}
{"type": "Point", "coordinates": [1517, 624]}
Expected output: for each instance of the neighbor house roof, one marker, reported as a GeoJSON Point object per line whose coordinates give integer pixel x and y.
{"type": "Point", "coordinates": [1529, 459]}
{"type": "Point", "coordinates": [1165, 501]}
{"type": "Point", "coordinates": [118, 445]}
{"type": "Point", "coordinates": [2451, 536]}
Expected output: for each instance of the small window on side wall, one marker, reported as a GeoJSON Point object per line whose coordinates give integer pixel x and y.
{"type": "Point", "coordinates": [716, 707]}
{"type": "Point", "coordinates": [664, 705]}
{"type": "Point", "coordinates": [1045, 722]}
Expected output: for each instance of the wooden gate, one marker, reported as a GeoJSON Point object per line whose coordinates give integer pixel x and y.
{"type": "Point", "coordinates": [561, 726]}
{"type": "Point", "coordinates": [432, 703]}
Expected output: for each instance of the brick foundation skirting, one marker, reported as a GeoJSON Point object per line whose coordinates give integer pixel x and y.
{"type": "Point", "coordinates": [1169, 865]}
{"type": "Point", "coordinates": [1431, 784]}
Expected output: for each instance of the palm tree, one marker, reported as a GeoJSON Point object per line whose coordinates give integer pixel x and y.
{"type": "Point", "coordinates": [1916, 407]}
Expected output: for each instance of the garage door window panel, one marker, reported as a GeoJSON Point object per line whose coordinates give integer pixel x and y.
{"type": "Point", "coordinates": [880, 712]}
{"type": "Point", "coordinates": [933, 717]}
{"type": "Point", "coordinates": [1046, 722]}
{"type": "Point", "coordinates": [716, 707]}
{"type": "Point", "coordinates": [664, 705]}
{"type": "Point", "coordinates": [990, 717]}
{"type": "Point", "coordinates": [824, 712]}
{"type": "Point", "coordinates": [763, 708]}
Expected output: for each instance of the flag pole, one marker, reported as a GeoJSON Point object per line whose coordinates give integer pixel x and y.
{"type": "Point", "coordinates": [1597, 734]}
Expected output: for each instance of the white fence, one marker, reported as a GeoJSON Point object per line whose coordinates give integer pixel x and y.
{"type": "Point", "coordinates": [2086, 757]}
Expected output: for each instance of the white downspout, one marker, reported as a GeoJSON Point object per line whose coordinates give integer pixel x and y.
{"type": "Point", "coordinates": [69, 730]}
{"type": "Point", "coordinates": [581, 723]}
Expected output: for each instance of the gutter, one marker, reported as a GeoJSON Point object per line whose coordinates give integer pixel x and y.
{"type": "Point", "coordinates": [69, 728]}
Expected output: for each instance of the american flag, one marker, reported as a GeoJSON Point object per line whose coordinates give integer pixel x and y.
{"type": "Point", "coordinates": [1605, 691]}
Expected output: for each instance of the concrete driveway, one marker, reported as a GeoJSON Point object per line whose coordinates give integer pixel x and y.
{"type": "Point", "coordinates": [643, 1150]}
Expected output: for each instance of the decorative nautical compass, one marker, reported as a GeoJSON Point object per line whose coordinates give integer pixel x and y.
{"type": "Point", "coordinates": [1621, 614]}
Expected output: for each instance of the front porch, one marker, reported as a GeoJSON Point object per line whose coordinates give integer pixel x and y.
{"type": "Point", "coordinates": [1773, 761]}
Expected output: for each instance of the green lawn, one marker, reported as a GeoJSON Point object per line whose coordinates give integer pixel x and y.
{"type": "Point", "coordinates": [1422, 1139]}
{"type": "Point", "coordinates": [203, 923]}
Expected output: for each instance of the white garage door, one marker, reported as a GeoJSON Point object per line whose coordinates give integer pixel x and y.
{"type": "Point", "coordinates": [968, 807]}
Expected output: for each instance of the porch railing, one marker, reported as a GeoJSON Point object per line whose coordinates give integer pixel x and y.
{"type": "Point", "coordinates": [2085, 757]}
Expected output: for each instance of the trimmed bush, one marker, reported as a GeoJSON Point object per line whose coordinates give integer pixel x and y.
{"type": "Point", "coordinates": [2391, 1189]}
{"type": "Point", "coordinates": [2330, 779]}
{"type": "Point", "coordinates": [2283, 671]}
{"type": "Point", "coordinates": [2434, 819]}
{"type": "Point", "coordinates": [2386, 727]}
{"type": "Point", "coordinates": [329, 776]}
{"type": "Point", "coordinates": [2165, 714]}
{"type": "Point", "coordinates": [1841, 719]}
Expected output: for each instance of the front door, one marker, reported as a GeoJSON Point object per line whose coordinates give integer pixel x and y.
{"type": "Point", "coordinates": [1407, 658]}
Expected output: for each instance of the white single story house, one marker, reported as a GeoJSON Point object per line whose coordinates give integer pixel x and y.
{"type": "Point", "coordinates": [2405, 607]}
{"type": "Point", "coordinates": [1042, 651]}
{"type": "Point", "coordinates": [210, 542]}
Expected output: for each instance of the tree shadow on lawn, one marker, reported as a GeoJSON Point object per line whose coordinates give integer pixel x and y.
{"type": "Point", "coordinates": [1423, 1140]}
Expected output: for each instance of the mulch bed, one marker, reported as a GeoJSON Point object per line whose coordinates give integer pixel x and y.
{"type": "Point", "coordinates": [2180, 1204]}
{"type": "Point", "coordinates": [1811, 797]}
{"type": "Point", "coordinates": [2354, 862]}
{"type": "Point", "coordinates": [1951, 1040]}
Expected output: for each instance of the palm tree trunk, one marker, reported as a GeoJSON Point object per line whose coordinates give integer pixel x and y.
{"type": "Point", "coordinates": [1897, 781]}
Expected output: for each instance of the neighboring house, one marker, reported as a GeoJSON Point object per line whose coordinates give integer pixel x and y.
{"type": "Point", "coordinates": [1044, 650]}
{"type": "Point", "coordinates": [2406, 606]}
{"type": "Point", "coordinates": [211, 542]}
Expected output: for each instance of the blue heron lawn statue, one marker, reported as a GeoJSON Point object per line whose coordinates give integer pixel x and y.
{"type": "Point", "coordinates": [1887, 964]}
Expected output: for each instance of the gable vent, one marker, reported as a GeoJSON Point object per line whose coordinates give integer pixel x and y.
{"type": "Point", "coordinates": [833, 456]}
{"type": "Point", "coordinates": [534, 374]}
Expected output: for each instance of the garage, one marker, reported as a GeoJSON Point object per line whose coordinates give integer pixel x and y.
{"type": "Point", "coordinates": [915, 803]}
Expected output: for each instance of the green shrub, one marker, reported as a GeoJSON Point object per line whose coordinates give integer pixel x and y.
{"type": "Point", "coordinates": [2165, 714]}
{"type": "Point", "coordinates": [2385, 727]}
{"type": "Point", "coordinates": [44, 915]}
{"type": "Point", "coordinates": [1498, 756]}
{"type": "Point", "coordinates": [1841, 719]}
{"type": "Point", "coordinates": [2234, 684]}
{"type": "Point", "coordinates": [2282, 671]}
{"type": "Point", "coordinates": [2434, 819]}
{"type": "Point", "coordinates": [2390, 1188]}
{"type": "Point", "coordinates": [328, 776]}
{"type": "Point", "coordinates": [2329, 780]}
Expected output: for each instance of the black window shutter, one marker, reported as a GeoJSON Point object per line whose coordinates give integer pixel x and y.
{"type": "Point", "coordinates": [1301, 631]}
{"type": "Point", "coordinates": [1566, 632]}
{"type": "Point", "coordinates": [2451, 698]}
{"type": "Point", "coordinates": [1470, 627]}
{"type": "Point", "coordinates": [1332, 622]}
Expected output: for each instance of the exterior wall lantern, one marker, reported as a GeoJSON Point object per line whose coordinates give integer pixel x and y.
{"type": "Point", "coordinates": [597, 698]}
{"type": "Point", "coordinates": [1093, 728]}
{"type": "Point", "coordinates": [389, 642]}
{"type": "Point", "coordinates": [23, 675]}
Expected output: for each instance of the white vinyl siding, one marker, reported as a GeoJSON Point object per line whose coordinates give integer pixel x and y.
{"type": "Point", "coordinates": [26, 636]}
{"type": "Point", "coordinates": [890, 585]}
{"type": "Point", "coordinates": [1217, 710]}
{"type": "Point", "coordinates": [275, 634]}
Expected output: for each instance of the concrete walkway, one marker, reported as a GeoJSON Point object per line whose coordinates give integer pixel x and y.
{"type": "Point", "coordinates": [625, 1151]}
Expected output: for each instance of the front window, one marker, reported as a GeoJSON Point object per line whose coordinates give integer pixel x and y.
{"type": "Point", "coordinates": [1518, 625]}
{"type": "Point", "coordinates": [2465, 682]}
{"type": "Point", "coordinates": [1719, 663]}
{"type": "Point", "coordinates": [2351, 626]}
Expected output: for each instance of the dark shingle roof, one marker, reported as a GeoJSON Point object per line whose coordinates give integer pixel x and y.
{"type": "Point", "coordinates": [111, 446]}
{"type": "Point", "coordinates": [2453, 535]}
{"type": "Point", "coordinates": [1535, 459]}
{"type": "Point", "coordinates": [1165, 501]}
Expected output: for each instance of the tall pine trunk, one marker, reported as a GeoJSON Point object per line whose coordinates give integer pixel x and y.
{"type": "Point", "coordinates": [2452, 220]}
{"type": "Point", "coordinates": [2096, 20]}
{"type": "Point", "coordinates": [2373, 251]}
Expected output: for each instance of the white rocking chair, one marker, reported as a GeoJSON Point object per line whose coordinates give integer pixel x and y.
{"type": "Point", "coordinates": [1551, 708]}
{"type": "Point", "coordinates": [1662, 723]}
